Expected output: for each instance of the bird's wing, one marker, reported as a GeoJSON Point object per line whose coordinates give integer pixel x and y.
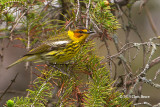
{"type": "Point", "coordinates": [49, 46]}
{"type": "Point", "coordinates": [56, 42]}
{"type": "Point", "coordinates": [40, 49]}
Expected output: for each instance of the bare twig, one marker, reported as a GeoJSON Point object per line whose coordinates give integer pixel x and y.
{"type": "Point", "coordinates": [87, 12]}
{"type": "Point", "coordinates": [121, 51]}
{"type": "Point", "coordinates": [135, 45]}
{"type": "Point", "coordinates": [48, 3]}
{"type": "Point", "coordinates": [99, 31]}
{"type": "Point", "coordinates": [12, 81]}
{"type": "Point", "coordinates": [78, 10]}
{"type": "Point", "coordinates": [157, 73]}
{"type": "Point", "coordinates": [109, 53]}
{"type": "Point", "coordinates": [134, 28]}
{"type": "Point", "coordinates": [144, 79]}
{"type": "Point", "coordinates": [14, 91]}
{"type": "Point", "coordinates": [17, 21]}
{"type": "Point", "coordinates": [147, 65]}
{"type": "Point", "coordinates": [154, 62]}
{"type": "Point", "coordinates": [157, 105]}
{"type": "Point", "coordinates": [115, 66]}
{"type": "Point", "coordinates": [66, 27]}
{"type": "Point", "coordinates": [16, 24]}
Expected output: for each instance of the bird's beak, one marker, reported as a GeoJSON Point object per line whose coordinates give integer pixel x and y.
{"type": "Point", "coordinates": [89, 32]}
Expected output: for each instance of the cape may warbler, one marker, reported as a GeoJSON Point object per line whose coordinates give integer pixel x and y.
{"type": "Point", "coordinates": [58, 49]}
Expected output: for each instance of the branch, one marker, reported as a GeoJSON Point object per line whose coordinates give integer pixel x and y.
{"type": "Point", "coordinates": [150, 82]}
{"type": "Point", "coordinates": [99, 31]}
{"type": "Point", "coordinates": [157, 73]}
{"type": "Point", "coordinates": [78, 10]}
{"type": "Point", "coordinates": [154, 62]}
{"type": "Point", "coordinates": [87, 12]}
{"type": "Point", "coordinates": [16, 24]}
{"type": "Point", "coordinates": [12, 81]}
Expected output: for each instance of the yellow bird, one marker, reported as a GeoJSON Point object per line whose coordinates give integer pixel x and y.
{"type": "Point", "coordinates": [58, 49]}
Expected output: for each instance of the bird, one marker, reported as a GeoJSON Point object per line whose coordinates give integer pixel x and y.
{"type": "Point", "coordinates": [57, 49]}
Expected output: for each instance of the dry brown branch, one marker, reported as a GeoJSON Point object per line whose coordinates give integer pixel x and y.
{"type": "Point", "coordinates": [12, 81]}
{"type": "Point", "coordinates": [154, 62]}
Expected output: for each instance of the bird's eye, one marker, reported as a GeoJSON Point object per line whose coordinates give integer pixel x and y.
{"type": "Point", "coordinates": [80, 32]}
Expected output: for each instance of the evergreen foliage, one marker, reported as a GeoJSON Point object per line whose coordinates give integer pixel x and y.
{"type": "Point", "coordinates": [86, 83]}
{"type": "Point", "coordinates": [101, 13]}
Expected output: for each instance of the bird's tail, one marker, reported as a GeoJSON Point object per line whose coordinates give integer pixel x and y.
{"type": "Point", "coordinates": [18, 61]}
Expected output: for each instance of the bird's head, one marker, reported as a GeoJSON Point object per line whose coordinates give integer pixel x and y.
{"type": "Point", "coordinates": [79, 34]}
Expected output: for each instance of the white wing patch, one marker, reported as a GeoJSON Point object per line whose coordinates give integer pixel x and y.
{"type": "Point", "coordinates": [57, 43]}
{"type": "Point", "coordinates": [60, 42]}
